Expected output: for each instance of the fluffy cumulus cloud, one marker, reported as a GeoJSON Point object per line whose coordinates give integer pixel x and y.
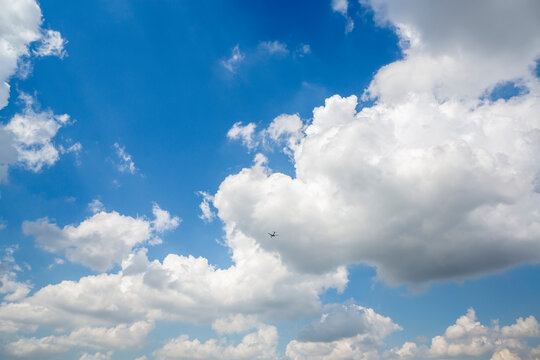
{"type": "Point", "coordinates": [344, 331]}
{"type": "Point", "coordinates": [97, 356]}
{"type": "Point", "coordinates": [21, 21]}
{"type": "Point", "coordinates": [284, 130]}
{"type": "Point", "coordinates": [27, 139]}
{"type": "Point", "coordinates": [433, 181]}
{"type": "Point", "coordinates": [207, 214]}
{"type": "Point", "coordinates": [244, 133]}
{"type": "Point", "coordinates": [52, 44]}
{"type": "Point", "coordinates": [457, 49]}
{"type": "Point", "coordinates": [119, 337]}
{"type": "Point", "coordinates": [10, 288]}
{"type": "Point", "coordinates": [20, 27]}
{"type": "Point", "coordinates": [102, 240]}
{"type": "Point", "coordinates": [468, 338]}
{"type": "Point", "coordinates": [255, 345]}
{"type": "Point", "coordinates": [178, 288]}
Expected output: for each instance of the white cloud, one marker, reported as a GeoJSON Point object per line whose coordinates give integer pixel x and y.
{"type": "Point", "coordinates": [52, 44]}
{"type": "Point", "coordinates": [57, 261]}
{"type": "Point", "coordinates": [342, 6]}
{"type": "Point", "coordinates": [422, 190]}
{"type": "Point", "coordinates": [119, 337]}
{"type": "Point", "coordinates": [234, 61]}
{"type": "Point", "coordinates": [126, 163]}
{"type": "Point", "coordinates": [245, 133]}
{"type": "Point", "coordinates": [97, 356]}
{"type": "Point", "coordinates": [274, 47]}
{"type": "Point", "coordinates": [257, 345]}
{"type": "Point", "coordinates": [21, 23]}
{"type": "Point", "coordinates": [75, 148]}
{"type": "Point", "coordinates": [505, 354]}
{"type": "Point", "coordinates": [21, 26]}
{"type": "Point", "coordinates": [28, 138]}
{"type": "Point", "coordinates": [285, 128]}
{"type": "Point", "coordinates": [528, 327]}
{"type": "Point", "coordinates": [10, 288]}
{"type": "Point", "coordinates": [102, 240]}
{"type": "Point", "coordinates": [179, 288]}
{"type": "Point", "coordinates": [303, 50]}
{"type": "Point", "coordinates": [235, 324]}
{"type": "Point", "coordinates": [347, 320]}
{"type": "Point", "coordinates": [206, 211]}
{"type": "Point", "coordinates": [456, 49]}
{"type": "Point", "coordinates": [96, 206]}
{"type": "Point", "coordinates": [469, 338]}
{"type": "Point", "coordinates": [163, 220]}
{"type": "Point", "coordinates": [433, 181]}
{"type": "Point", "coordinates": [344, 331]}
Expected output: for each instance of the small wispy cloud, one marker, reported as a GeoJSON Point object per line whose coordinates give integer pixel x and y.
{"type": "Point", "coordinates": [303, 50]}
{"type": "Point", "coordinates": [206, 211]}
{"type": "Point", "coordinates": [126, 163]}
{"type": "Point", "coordinates": [342, 7]}
{"type": "Point", "coordinates": [236, 58]}
{"type": "Point", "coordinates": [57, 261]}
{"type": "Point", "coordinates": [274, 47]}
{"type": "Point", "coordinates": [52, 44]}
{"type": "Point", "coordinates": [244, 133]}
{"type": "Point", "coordinates": [96, 206]}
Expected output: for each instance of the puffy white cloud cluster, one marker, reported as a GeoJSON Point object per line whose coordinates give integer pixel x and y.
{"type": "Point", "coordinates": [469, 338]}
{"type": "Point", "coordinates": [424, 191]}
{"type": "Point", "coordinates": [283, 130]}
{"type": "Point", "coordinates": [21, 21]}
{"type": "Point", "coordinates": [52, 44]}
{"type": "Point", "coordinates": [207, 214]}
{"type": "Point", "coordinates": [10, 288]}
{"type": "Point", "coordinates": [255, 345]}
{"type": "Point", "coordinates": [97, 356]}
{"type": "Point", "coordinates": [344, 331]}
{"type": "Point", "coordinates": [457, 49]}
{"type": "Point", "coordinates": [434, 181]}
{"type": "Point", "coordinates": [29, 138]}
{"type": "Point", "coordinates": [245, 133]}
{"type": "Point", "coordinates": [20, 27]}
{"type": "Point", "coordinates": [104, 239]}
{"type": "Point", "coordinates": [119, 337]}
{"type": "Point", "coordinates": [180, 288]}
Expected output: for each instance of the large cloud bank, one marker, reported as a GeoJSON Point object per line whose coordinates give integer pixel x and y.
{"type": "Point", "coordinates": [437, 180]}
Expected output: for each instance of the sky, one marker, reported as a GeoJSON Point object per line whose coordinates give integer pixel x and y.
{"type": "Point", "coordinates": [148, 148]}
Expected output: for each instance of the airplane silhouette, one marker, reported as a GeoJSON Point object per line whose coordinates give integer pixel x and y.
{"type": "Point", "coordinates": [273, 234]}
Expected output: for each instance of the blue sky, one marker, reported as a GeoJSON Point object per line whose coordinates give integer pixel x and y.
{"type": "Point", "coordinates": [147, 148]}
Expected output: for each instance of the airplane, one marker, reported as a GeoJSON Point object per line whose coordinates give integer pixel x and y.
{"type": "Point", "coordinates": [273, 234]}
